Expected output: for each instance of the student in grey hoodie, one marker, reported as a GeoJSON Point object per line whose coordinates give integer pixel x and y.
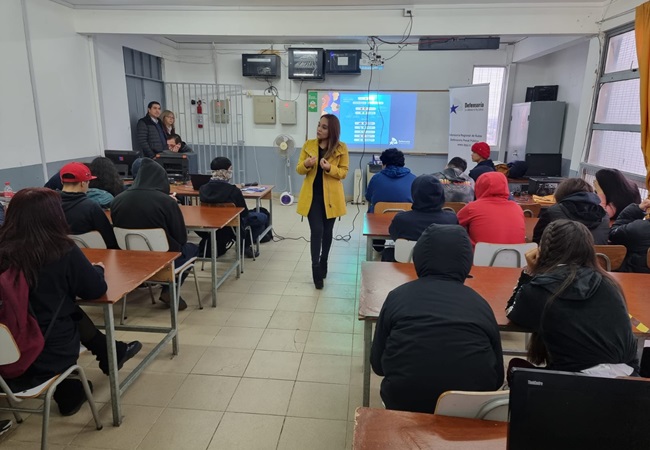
{"type": "Point", "coordinates": [458, 186]}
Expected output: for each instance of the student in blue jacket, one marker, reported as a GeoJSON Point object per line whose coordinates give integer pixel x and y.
{"type": "Point", "coordinates": [393, 183]}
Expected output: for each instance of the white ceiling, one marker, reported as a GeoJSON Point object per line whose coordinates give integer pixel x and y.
{"type": "Point", "coordinates": [306, 3]}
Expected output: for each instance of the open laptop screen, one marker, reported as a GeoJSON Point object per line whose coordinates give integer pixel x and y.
{"type": "Point", "coordinates": [560, 410]}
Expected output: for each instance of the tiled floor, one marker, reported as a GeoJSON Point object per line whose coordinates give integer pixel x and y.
{"type": "Point", "coordinates": [277, 365]}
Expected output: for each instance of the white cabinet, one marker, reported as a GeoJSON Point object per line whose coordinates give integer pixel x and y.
{"type": "Point", "coordinates": [535, 127]}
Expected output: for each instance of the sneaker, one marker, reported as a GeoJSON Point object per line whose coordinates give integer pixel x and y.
{"type": "Point", "coordinates": [248, 253]}
{"type": "Point", "coordinates": [125, 351]}
{"type": "Point", "coordinates": [5, 425]}
{"type": "Point", "coordinates": [70, 396]}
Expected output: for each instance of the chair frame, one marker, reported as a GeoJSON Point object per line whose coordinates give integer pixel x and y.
{"type": "Point", "coordinates": [506, 249]}
{"type": "Point", "coordinates": [401, 243]}
{"type": "Point", "coordinates": [493, 400]}
{"type": "Point", "coordinates": [612, 255]}
{"type": "Point", "coordinates": [384, 207]}
{"type": "Point", "coordinates": [533, 209]}
{"type": "Point", "coordinates": [45, 392]}
{"type": "Point", "coordinates": [177, 271]}
{"type": "Point", "coordinates": [453, 206]}
{"type": "Point", "coordinates": [82, 240]}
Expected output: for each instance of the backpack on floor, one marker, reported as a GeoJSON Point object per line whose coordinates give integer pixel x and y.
{"type": "Point", "coordinates": [15, 314]}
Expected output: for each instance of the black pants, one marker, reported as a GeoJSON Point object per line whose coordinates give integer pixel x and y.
{"type": "Point", "coordinates": [322, 230]}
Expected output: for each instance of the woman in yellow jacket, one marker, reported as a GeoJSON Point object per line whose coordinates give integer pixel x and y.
{"type": "Point", "coordinates": [325, 162]}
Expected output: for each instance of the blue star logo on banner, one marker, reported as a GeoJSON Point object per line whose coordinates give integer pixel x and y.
{"type": "Point", "coordinates": [453, 109]}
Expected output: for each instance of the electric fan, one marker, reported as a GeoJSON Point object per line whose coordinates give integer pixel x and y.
{"type": "Point", "coordinates": [285, 147]}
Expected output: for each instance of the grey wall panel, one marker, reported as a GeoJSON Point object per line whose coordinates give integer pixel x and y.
{"type": "Point", "coordinates": [30, 176]}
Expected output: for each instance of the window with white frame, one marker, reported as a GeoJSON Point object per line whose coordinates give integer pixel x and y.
{"type": "Point", "coordinates": [615, 140]}
{"type": "Point", "coordinates": [495, 76]}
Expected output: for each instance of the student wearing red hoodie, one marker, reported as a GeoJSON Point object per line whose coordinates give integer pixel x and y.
{"type": "Point", "coordinates": [492, 218]}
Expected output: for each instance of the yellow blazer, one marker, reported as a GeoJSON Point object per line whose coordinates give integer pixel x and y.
{"type": "Point", "coordinates": [332, 184]}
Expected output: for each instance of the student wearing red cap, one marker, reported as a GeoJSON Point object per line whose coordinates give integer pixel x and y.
{"type": "Point", "coordinates": [83, 214]}
{"type": "Point", "coordinates": [481, 156]}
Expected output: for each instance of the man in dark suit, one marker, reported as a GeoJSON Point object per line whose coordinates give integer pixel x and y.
{"type": "Point", "coordinates": [150, 137]}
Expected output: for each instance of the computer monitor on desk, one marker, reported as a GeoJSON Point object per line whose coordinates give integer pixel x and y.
{"type": "Point", "coordinates": [564, 410]}
{"type": "Point", "coordinates": [123, 160]}
{"type": "Point", "coordinates": [176, 165]}
{"type": "Point", "coordinates": [544, 164]}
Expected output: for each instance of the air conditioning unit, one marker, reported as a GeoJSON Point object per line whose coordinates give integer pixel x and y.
{"type": "Point", "coordinates": [358, 198]}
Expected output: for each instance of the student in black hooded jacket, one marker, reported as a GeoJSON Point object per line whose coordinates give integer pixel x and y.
{"type": "Point", "coordinates": [435, 334]}
{"type": "Point", "coordinates": [633, 231]}
{"type": "Point", "coordinates": [576, 311]}
{"type": "Point", "coordinates": [147, 204]}
{"type": "Point", "coordinates": [577, 201]}
{"type": "Point", "coordinates": [428, 199]}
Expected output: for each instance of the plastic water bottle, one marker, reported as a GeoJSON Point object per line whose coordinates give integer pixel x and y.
{"type": "Point", "coordinates": [8, 191]}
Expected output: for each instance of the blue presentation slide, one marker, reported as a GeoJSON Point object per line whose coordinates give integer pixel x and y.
{"type": "Point", "coordinates": [381, 119]}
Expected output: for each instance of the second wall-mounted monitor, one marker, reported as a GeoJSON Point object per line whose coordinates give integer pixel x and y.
{"type": "Point", "coordinates": [343, 62]}
{"type": "Point", "coordinates": [262, 66]}
{"type": "Point", "coordinates": [306, 64]}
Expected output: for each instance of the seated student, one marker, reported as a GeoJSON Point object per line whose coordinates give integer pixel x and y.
{"type": "Point", "coordinates": [576, 201]}
{"type": "Point", "coordinates": [428, 199]}
{"type": "Point", "coordinates": [632, 230]}
{"type": "Point", "coordinates": [458, 186]}
{"type": "Point", "coordinates": [56, 274]}
{"type": "Point", "coordinates": [82, 214]}
{"type": "Point", "coordinates": [147, 204]}
{"type": "Point", "coordinates": [107, 177]}
{"type": "Point", "coordinates": [615, 191]}
{"type": "Point", "coordinates": [54, 182]}
{"type": "Point", "coordinates": [576, 310]}
{"type": "Point", "coordinates": [481, 156]}
{"type": "Point", "coordinates": [492, 218]}
{"type": "Point", "coordinates": [2, 214]}
{"type": "Point", "coordinates": [176, 145]}
{"type": "Point", "coordinates": [219, 190]}
{"type": "Point", "coordinates": [435, 334]}
{"type": "Point", "coordinates": [393, 183]}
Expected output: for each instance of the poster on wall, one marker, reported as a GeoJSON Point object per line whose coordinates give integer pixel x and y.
{"type": "Point", "coordinates": [468, 117]}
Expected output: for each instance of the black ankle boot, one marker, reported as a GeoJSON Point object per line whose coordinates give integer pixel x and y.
{"type": "Point", "coordinates": [317, 275]}
{"type": "Point", "coordinates": [323, 268]}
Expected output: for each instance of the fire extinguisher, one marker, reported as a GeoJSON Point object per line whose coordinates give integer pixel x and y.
{"type": "Point", "coordinates": [199, 114]}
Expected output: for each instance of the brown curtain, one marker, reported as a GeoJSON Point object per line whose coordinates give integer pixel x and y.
{"type": "Point", "coordinates": [642, 31]}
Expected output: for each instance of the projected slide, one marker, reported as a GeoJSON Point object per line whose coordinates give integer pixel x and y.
{"type": "Point", "coordinates": [380, 119]}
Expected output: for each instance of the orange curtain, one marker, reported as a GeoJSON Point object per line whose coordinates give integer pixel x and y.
{"type": "Point", "coordinates": [642, 32]}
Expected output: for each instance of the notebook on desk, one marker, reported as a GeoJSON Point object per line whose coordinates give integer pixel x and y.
{"type": "Point", "coordinates": [199, 180]}
{"type": "Point", "coordinates": [562, 410]}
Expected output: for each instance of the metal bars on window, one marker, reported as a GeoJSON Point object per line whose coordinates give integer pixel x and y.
{"type": "Point", "coordinates": [214, 129]}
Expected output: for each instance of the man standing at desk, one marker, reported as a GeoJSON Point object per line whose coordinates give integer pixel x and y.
{"type": "Point", "coordinates": [150, 137]}
{"type": "Point", "coordinates": [435, 334]}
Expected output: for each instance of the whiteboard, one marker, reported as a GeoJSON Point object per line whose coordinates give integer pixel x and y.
{"type": "Point", "coordinates": [427, 122]}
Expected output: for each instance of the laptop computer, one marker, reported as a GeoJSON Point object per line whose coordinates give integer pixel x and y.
{"type": "Point", "coordinates": [199, 180]}
{"type": "Point", "coordinates": [562, 410]}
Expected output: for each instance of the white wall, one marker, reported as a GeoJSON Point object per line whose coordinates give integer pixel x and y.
{"type": "Point", "coordinates": [64, 83]}
{"type": "Point", "coordinates": [17, 120]}
{"type": "Point", "coordinates": [565, 68]}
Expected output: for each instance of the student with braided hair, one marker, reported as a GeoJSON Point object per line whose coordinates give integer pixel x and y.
{"type": "Point", "coordinates": [577, 311]}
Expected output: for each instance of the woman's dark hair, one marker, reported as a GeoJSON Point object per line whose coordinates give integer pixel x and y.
{"type": "Point", "coordinates": [35, 232]}
{"type": "Point", "coordinates": [458, 162]}
{"type": "Point", "coordinates": [569, 244]}
{"type": "Point", "coordinates": [392, 157]}
{"type": "Point", "coordinates": [333, 132]}
{"type": "Point", "coordinates": [618, 190]}
{"type": "Point", "coordinates": [571, 186]}
{"type": "Point", "coordinates": [220, 163]}
{"type": "Point", "coordinates": [108, 179]}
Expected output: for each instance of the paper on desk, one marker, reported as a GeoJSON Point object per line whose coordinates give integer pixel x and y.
{"type": "Point", "coordinates": [253, 189]}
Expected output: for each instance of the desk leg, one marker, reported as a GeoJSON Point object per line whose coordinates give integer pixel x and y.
{"type": "Point", "coordinates": [640, 343]}
{"type": "Point", "coordinates": [174, 288]}
{"type": "Point", "coordinates": [239, 252]}
{"type": "Point", "coordinates": [213, 238]}
{"type": "Point", "coordinates": [113, 380]}
{"type": "Point", "coordinates": [367, 342]}
{"type": "Point", "coordinates": [369, 248]}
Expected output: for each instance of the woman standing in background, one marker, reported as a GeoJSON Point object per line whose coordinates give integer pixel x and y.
{"type": "Point", "coordinates": [324, 161]}
{"type": "Point", "coordinates": [167, 119]}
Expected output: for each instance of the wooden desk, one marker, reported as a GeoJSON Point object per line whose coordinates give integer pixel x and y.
{"type": "Point", "coordinates": [375, 226]}
{"type": "Point", "coordinates": [124, 271]}
{"type": "Point", "coordinates": [380, 429]}
{"type": "Point", "coordinates": [206, 218]}
{"type": "Point", "coordinates": [494, 284]}
{"type": "Point", "coordinates": [267, 194]}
